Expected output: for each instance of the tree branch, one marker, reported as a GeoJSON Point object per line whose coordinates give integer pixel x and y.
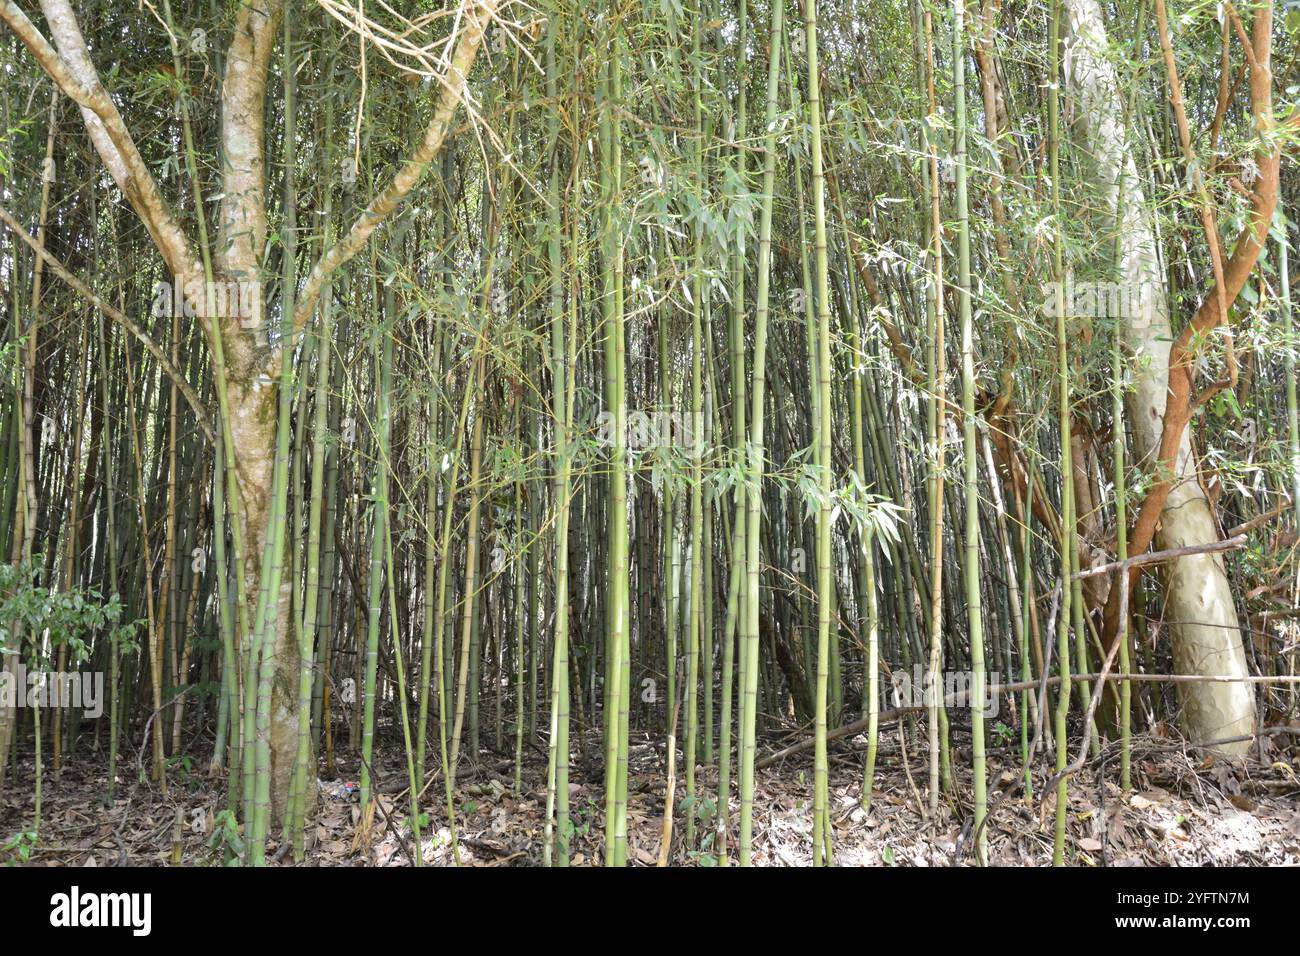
{"type": "Point", "coordinates": [476, 14]}
{"type": "Point", "coordinates": [58, 268]}
{"type": "Point", "coordinates": [72, 71]}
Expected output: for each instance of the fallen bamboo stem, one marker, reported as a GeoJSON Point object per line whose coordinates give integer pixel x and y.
{"type": "Point", "coordinates": [957, 700]}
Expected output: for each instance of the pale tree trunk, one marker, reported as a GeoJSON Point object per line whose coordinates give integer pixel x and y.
{"type": "Point", "coordinates": [253, 406]}
{"type": "Point", "coordinates": [1198, 606]}
{"type": "Point", "coordinates": [251, 368]}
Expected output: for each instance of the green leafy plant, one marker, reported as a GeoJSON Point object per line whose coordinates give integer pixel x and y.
{"type": "Point", "coordinates": [18, 849]}
{"type": "Point", "coordinates": [226, 841]}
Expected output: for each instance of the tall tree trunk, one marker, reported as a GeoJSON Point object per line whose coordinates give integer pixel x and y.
{"type": "Point", "coordinates": [1198, 605]}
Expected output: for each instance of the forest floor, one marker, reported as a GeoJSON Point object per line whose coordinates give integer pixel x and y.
{"type": "Point", "coordinates": [1184, 810]}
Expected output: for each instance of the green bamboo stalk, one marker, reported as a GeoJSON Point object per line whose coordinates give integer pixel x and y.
{"type": "Point", "coordinates": [1063, 388]}
{"type": "Point", "coordinates": [562, 370]}
{"type": "Point", "coordinates": [618, 656]}
{"type": "Point", "coordinates": [467, 642]}
{"type": "Point", "coordinates": [382, 346]}
{"type": "Point", "coordinates": [412, 782]}
{"type": "Point", "coordinates": [1292, 416]}
{"type": "Point", "coordinates": [110, 528]}
{"type": "Point", "coordinates": [755, 450]}
{"type": "Point", "coordinates": [697, 448]}
{"type": "Point", "coordinates": [873, 669]}
{"type": "Point", "coordinates": [1027, 597]}
{"type": "Point", "coordinates": [969, 450]}
{"type": "Point", "coordinates": [434, 556]}
{"type": "Point", "coordinates": [324, 341]}
{"type": "Point", "coordinates": [825, 580]}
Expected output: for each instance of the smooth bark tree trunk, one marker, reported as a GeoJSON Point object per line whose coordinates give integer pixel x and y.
{"type": "Point", "coordinates": [253, 405]}
{"type": "Point", "coordinates": [1198, 606]}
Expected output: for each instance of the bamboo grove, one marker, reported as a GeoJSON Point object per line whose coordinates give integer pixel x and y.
{"type": "Point", "coordinates": [701, 383]}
